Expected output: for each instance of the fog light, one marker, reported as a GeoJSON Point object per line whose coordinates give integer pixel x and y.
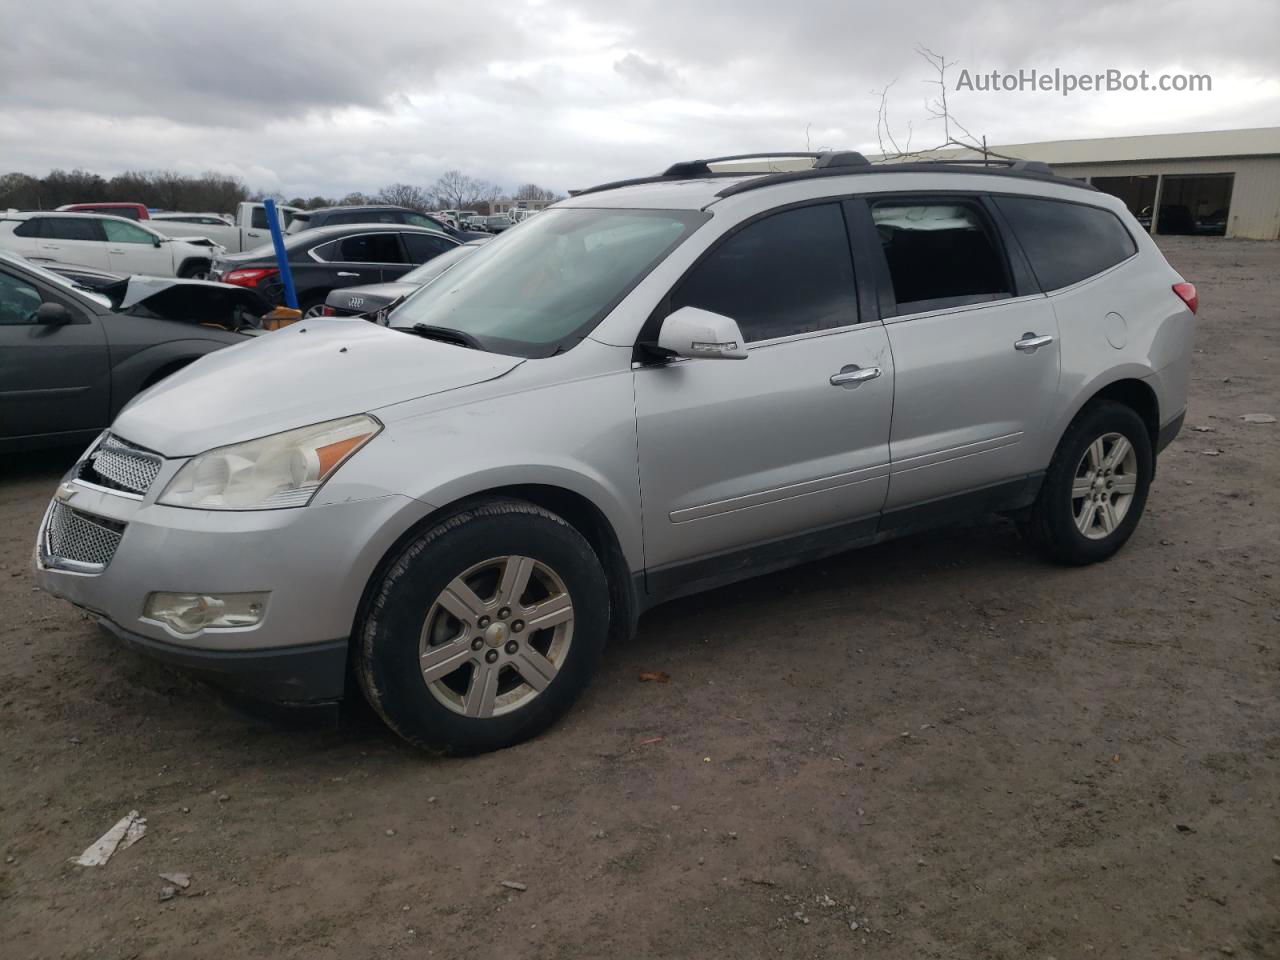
{"type": "Point", "coordinates": [192, 612]}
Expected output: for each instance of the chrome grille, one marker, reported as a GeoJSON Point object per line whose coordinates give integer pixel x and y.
{"type": "Point", "coordinates": [81, 537]}
{"type": "Point", "coordinates": [119, 466]}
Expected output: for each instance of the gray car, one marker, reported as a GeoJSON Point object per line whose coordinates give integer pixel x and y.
{"type": "Point", "coordinates": [71, 356]}
{"type": "Point", "coordinates": [650, 389]}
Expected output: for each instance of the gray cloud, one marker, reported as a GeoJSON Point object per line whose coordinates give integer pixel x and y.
{"type": "Point", "coordinates": [327, 97]}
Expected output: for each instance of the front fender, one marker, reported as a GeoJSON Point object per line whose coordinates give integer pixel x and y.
{"type": "Point", "coordinates": [130, 373]}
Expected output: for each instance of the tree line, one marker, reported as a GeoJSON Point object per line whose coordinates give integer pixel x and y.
{"type": "Point", "coordinates": [219, 193]}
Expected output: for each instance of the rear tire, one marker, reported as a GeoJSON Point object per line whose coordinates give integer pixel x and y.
{"type": "Point", "coordinates": [1096, 487]}
{"type": "Point", "coordinates": [451, 653]}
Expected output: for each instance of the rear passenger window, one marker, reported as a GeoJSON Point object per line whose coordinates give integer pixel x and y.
{"type": "Point", "coordinates": [785, 274]}
{"type": "Point", "coordinates": [258, 219]}
{"type": "Point", "coordinates": [370, 248]}
{"type": "Point", "coordinates": [74, 228]}
{"type": "Point", "coordinates": [940, 254]}
{"type": "Point", "coordinates": [1066, 242]}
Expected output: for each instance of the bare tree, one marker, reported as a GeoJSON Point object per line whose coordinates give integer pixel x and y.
{"type": "Point", "coordinates": [457, 191]}
{"type": "Point", "coordinates": [355, 199]}
{"type": "Point", "coordinates": [533, 192]}
{"type": "Point", "coordinates": [954, 133]}
{"type": "Point", "coordinates": [405, 195]}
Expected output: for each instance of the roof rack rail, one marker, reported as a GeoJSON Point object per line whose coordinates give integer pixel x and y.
{"type": "Point", "coordinates": [698, 169]}
{"type": "Point", "coordinates": [827, 163]}
{"type": "Point", "coordinates": [1028, 169]}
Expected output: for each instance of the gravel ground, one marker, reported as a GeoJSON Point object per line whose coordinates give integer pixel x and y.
{"type": "Point", "coordinates": [939, 747]}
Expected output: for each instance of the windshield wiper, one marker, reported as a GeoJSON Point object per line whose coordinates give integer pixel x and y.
{"type": "Point", "coordinates": [446, 335]}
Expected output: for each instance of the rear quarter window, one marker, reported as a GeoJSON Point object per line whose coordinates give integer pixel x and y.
{"type": "Point", "coordinates": [1066, 242]}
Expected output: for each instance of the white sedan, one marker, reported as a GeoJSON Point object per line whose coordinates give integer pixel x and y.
{"type": "Point", "coordinates": [106, 243]}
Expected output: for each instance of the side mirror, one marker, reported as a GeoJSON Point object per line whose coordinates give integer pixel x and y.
{"type": "Point", "coordinates": [156, 241]}
{"type": "Point", "coordinates": [694, 333]}
{"type": "Point", "coordinates": [53, 314]}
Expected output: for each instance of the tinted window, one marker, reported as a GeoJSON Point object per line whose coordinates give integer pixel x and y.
{"type": "Point", "coordinates": [258, 220]}
{"type": "Point", "coordinates": [423, 247]}
{"type": "Point", "coordinates": [1066, 242]}
{"type": "Point", "coordinates": [363, 216]}
{"type": "Point", "coordinates": [118, 232]}
{"type": "Point", "coordinates": [368, 248]}
{"type": "Point", "coordinates": [35, 227]}
{"type": "Point", "coordinates": [940, 254]}
{"type": "Point", "coordinates": [788, 273]}
{"type": "Point", "coordinates": [19, 301]}
{"type": "Point", "coordinates": [73, 228]}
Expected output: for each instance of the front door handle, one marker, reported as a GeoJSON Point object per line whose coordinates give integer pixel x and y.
{"type": "Point", "coordinates": [853, 375]}
{"type": "Point", "coordinates": [1030, 343]}
{"type": "Point", "coordinates": [347, 273]}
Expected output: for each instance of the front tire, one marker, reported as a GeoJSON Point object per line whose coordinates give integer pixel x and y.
{"type": "Point", "coordinates": [194, 270]}
{"type": "Point", "coordinates": [485, 629]}
{"type": "Point", "coordinates": [1096, 487]}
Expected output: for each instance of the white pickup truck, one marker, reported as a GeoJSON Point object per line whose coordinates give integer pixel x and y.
{"type": "Point", "coordinates": [248, 231]}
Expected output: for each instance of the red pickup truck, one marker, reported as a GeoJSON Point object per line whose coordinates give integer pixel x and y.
{"type": "Point", "coordinates": [134, 211]}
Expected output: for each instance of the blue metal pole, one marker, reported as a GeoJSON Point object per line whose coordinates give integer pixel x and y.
{"type": "Point", "coordinates": [282, 257]}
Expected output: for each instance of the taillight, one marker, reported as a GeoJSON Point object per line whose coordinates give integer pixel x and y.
{"type": "Point", "coordinates": [249, 276]}
{"type": "Point", "coordinates": [328, 311]}
{"type": "Point", "coordinates": [1187, 294]}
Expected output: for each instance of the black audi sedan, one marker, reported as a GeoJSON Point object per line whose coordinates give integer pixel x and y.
{"type": "Point", "coordinates": [372, 299]}
{"type": "Point", "coordinates": [326, 258]}
{"type": "Point", "coordinates": [374, 213]}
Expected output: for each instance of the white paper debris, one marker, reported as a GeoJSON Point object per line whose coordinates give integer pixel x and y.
{"type": "Point", "coordinates": [124, 834]}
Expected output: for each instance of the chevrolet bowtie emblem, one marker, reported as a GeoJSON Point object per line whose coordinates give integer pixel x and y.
{"type": "Point", "coordinates": [64, 492]}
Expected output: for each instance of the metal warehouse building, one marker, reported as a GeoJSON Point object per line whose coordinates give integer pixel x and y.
{"type": "Point", "coordinates": [1216, 183]}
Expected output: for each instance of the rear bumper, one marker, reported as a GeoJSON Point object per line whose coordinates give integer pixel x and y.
{"type": "Point", "coordinates": [1169, 431]}
{"type": "Point", "coordinates": [307, 674]}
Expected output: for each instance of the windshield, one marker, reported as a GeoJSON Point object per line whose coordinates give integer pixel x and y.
{"type": "Point", "coordinates": [439, 264]}
{"type": "Point", "coordinates": [538, 290]}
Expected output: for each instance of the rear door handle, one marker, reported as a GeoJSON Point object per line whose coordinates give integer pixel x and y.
{"type": "Point", "coordinates": [347, 273]}
{"type": "Point", "coordinates": [114, 250]}
{"type": "Point", "coordinates": [853, 375]}
{"type": "Point", "coordinates": [1030, 343]}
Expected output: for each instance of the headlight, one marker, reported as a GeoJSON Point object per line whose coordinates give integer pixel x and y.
{"type": "Point", "coordinates": [282, 470]}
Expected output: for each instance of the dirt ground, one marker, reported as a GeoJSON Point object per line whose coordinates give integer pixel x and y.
{"type": "Point", "coordinates": [958, 748]}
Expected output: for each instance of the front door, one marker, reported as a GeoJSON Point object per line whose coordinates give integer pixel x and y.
{"type": "Point", "coordinates": [976, 354]}
{"type": "Point", "coordinates": [735, 454]}
{"type": "Point", "coordinates": [53, 379]}
{"type": "Point", "coordinates": [133, 250]}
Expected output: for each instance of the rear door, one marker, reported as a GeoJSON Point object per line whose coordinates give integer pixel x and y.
{"type": "Point", "coordinates": [53, 379]}
{"type": "Point", "coordinates": [73, 239]}
{"type": "Point", "coordinates": [975, 347]}
{"type": "Point", "coordinates": [734, 454]}
{"type": "Point", "coordinates": [131, 249]}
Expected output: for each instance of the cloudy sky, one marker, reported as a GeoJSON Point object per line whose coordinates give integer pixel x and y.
{"type": "Point", "coordinates": [327, 97]}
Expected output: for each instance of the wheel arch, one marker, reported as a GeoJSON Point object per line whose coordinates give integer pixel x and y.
{"type": "Point", "coordinates": [578, 510]}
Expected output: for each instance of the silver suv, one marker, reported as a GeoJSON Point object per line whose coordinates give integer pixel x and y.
{"type": "Point", "coordinates": [653, 388]}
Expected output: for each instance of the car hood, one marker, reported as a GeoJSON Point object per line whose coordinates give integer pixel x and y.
{"type": "Point", "coordinates": [198, 241]}
{"type": "Point", "coordinates": [312, 371]}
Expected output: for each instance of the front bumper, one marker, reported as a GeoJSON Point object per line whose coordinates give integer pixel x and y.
{"type": "Point", "coordinates": [314, 562]}
{"type": "Point", "coordinates": [307, 674]}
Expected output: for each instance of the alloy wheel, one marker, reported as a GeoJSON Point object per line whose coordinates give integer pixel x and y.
{"type": "Point", "coordinates": [496, 636]}
{"type": "Point", "coordinates": [1106, 479]}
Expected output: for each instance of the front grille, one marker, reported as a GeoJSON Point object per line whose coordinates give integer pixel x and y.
{"type": "Point", "coordinates": [81, 537]}
{"type": "Point", "coordinates": [117, 465]}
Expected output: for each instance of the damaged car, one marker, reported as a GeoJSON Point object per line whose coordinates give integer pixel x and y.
{"type": "Point", "coordinates": [71, 358]}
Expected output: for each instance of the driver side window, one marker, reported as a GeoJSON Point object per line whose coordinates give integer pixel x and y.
{"type": "Point", "coordinates": [120, 232]}
{"type": "Point", "coordinates": [19, 301]}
